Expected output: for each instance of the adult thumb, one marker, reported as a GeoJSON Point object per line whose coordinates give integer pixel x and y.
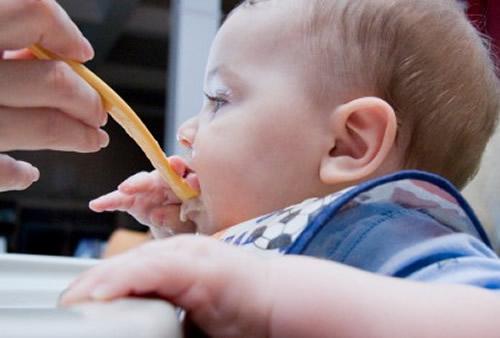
{"type": "Point", "coordinates": [16, 175]}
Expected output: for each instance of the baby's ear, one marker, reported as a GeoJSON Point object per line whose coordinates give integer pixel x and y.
{"type": "Point", "coordinates": [363, 134]}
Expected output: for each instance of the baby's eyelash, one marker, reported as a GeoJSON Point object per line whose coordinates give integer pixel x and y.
{"type": "Point", "coordinates": [217, 101]}
{"type": "Point", "coordinates": [218, 98]}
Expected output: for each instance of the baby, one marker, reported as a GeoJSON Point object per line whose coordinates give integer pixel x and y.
{"type": "Point", "coordinates": [304, 105]}
{"type": "Point", "coordinates": [313, 108]}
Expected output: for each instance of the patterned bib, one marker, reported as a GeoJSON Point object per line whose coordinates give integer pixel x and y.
{"type": "Point", "coordinates": [289, 230]}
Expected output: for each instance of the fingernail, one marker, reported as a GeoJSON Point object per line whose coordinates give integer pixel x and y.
{"type": "Point", "coordinates": [103, 138]}
{"type": "Point", "coordinates": [104, 120]}
{"type": "Point", "coordinates": [32, 176]}
{"type": "Point", "coordinates": [87, 52]}
{"type": "Point", "coordinates": [91, 205]}
{"type": "Point", "coordinates": [101, 293]}
{"type": "Point", "coordinates": [61, 300]}
{"type": "Point", "coordinates": [35, 174]}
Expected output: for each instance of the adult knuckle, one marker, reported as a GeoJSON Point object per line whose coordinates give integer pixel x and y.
{"type": "Point", "coordinates": [96, 104]}
{"type": "Point", "coordinates": [41, 11]}
{"type": "Point", "coordinates": [92, 101]}
{"type": "Point", "coordinates": [31, 7]}
{"type": "Point", "coordinates": [90, 140]}
{"type": "Point", "coordinates": [64, 133]}
{"type": "Point", "coordinates": [51, 125]}
{"type": "Point", "coordinates": [85, 139]}
{"type": "Point", "coordinates": [61, 79]}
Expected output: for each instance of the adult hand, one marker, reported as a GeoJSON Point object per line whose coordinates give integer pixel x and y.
{"type": "Point", "coordinates": [43, 104]}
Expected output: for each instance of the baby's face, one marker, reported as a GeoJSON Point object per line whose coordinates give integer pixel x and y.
{"type": "Point", "coordinates": [256, 143]}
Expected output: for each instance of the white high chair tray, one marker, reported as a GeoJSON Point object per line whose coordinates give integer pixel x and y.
{"type": "Point", "coordinates": [30, 287]}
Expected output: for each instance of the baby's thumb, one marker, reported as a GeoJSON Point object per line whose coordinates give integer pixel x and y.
{"type": "Point", "coordinates": [16, 175]}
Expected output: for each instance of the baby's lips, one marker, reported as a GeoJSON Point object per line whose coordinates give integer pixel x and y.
{"type": "Point", "coordinates": [192, 180]}
{"type": "Point", "coordinates": [190, 176]}
{"type": "Point", "coordinates": [182, 167]}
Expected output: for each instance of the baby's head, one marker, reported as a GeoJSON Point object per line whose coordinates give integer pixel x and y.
{"type": "Point", "coordinates": [306, 97]}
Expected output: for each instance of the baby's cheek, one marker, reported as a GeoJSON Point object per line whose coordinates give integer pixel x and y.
{"type": "Point", "coordinates": [224, 175]}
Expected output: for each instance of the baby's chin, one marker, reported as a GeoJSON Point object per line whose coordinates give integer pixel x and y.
{"type": "Point", "coordinates": [194, 210]}
{"type": "Point", "coordinates": [207, 220]}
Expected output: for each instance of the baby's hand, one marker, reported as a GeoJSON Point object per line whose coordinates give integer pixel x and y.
{"type": "Point", "coordinates": [225, 290]}
{"type": "Point", "coordinates": [149, 199]}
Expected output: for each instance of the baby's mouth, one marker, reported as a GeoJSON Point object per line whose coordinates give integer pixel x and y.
{"type": "Point", "coordinates": [193, 206]}
{"type": "Point", "coordinates": [190, 176]}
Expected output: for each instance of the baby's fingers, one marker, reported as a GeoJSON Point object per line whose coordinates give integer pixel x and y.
{"type": "Point", "coordinates": [143, 182]}
{"type": "Point", "coordinates": [146, 181]}
{"type": "Point", "coordinates": [81, 289]}
{"type": "Point", "coordinates": [132, 273]}
{"type": "Point", "coordinates": [166, 268]}
{"type": "Point", "coordinates": [212, 281]}
{"type": "Point", "coordinates": [113, 201]}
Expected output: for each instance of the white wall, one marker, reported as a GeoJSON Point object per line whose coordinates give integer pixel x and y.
{"type": "Point", "coordinates": [483, 193]}
{"type": "Point", "coordinates": [193, 27]}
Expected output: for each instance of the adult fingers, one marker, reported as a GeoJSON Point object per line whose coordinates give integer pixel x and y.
{"type": "Point", "coordinates": [16, 175]}
{"type": "Point", "coordinates": [42, 128]}
{"type": "Point", "coordinates": [25, 22]}
{"type": "Point", "coordinates": [50, 84]}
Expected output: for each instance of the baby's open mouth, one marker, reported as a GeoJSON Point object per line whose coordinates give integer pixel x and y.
{"type": "Point", "coordinates": [192, 207]}
{"type": "Point", "coordinates": [190, 176]}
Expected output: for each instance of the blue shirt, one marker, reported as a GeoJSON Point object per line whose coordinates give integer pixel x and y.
{"type": "Point", "coordinates": [410, 225]}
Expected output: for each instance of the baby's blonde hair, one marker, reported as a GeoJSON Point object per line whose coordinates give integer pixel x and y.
{"type": "Point", "coordinates": [424, 58]}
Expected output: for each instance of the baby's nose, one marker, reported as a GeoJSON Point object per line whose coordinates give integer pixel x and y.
{"type": "Point", "coordinates": [187, 133]}
{"type": "Point", "coordinates": [184, 141]}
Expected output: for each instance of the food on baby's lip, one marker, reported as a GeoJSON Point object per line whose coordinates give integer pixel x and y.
{"type": "Point", "coordinates": [126, 117]}
{"type": "Point", "coordinates": [190, 208]}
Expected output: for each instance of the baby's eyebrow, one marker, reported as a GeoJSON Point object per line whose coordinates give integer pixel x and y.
{"type": "Point", "coordinates": [226, 74]}
{"type": "Point", "coordinates": [212, 73]}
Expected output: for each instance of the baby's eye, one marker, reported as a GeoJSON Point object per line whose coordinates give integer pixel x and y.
{"type": "Point", "coordinates": [216, 102]}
